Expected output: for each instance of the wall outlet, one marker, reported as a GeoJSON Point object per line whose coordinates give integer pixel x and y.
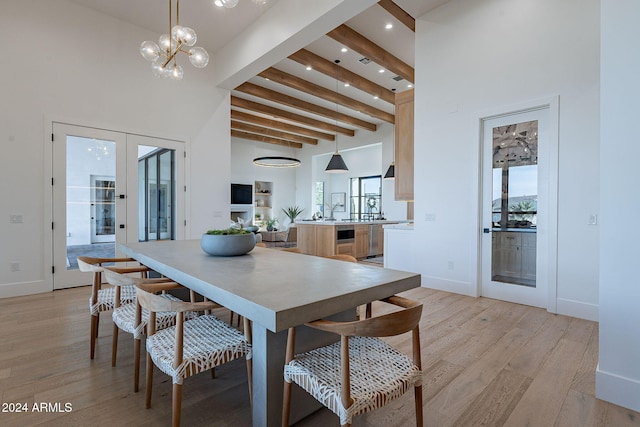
{"type": "Point", "coordinates": [15, 266]}
{"type": "Point", "coordinates": [15, 219]}
{"type": "Point", "coordinates": [450, 265]}
{"type": "Point", "coordinates": [429, 217]}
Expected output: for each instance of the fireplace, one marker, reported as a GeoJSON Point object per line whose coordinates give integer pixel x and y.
{"type": "Point", "coordinates": [242, 211]}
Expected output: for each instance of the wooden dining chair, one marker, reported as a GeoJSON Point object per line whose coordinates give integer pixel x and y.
{"type": "Point", "coordinates": [129, 319]}
{"type": "Point", "coordinates": [103, 299]}
{"type": "Point", "coordinates": [361, 372]}
{"type": "Point", "coordinates": [351, 258]}
{"type": "Point", "coordinates": [342, 257]}
{"type": "Point", "coordinates": [294, 250]}
{"type": "Point", "coordinates": [191, 346]}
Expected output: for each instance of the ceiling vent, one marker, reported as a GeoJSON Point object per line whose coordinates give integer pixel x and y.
{"type": "Point", "coordinates": [364, 60]}
{"type": "Point", "coordinates": [397, 78]}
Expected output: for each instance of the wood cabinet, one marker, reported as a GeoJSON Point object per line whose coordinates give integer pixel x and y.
{"type": "Point", "coordinates": [514, 255]}
{"type": "Point", "coordinates": [361, 241]}
{"type": "Point", "coordinates": [403, 146]}
{"type": "Point", "coordinates": [316, 239]}
{"type": "Point", "coordinates": [325, 241]}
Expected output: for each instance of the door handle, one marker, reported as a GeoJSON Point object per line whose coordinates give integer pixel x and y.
{"type": "Point", "coordinates": [121, 225]}
{"type": "Point", "coordinates": [486, 230]}
{"type": "Point", "coordinates": [122, 196]}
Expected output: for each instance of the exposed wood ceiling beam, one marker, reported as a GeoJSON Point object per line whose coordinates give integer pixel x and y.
{"type": "Point", "coordinates": [324, 66]}
{"type": "Point", "coordinates": [355, 41]}
{"type": "Point", "coordinates": [399, 13]}
{"type": "Point", "coordinates": [297, 83]}
{"type": "Point", "coordinates": [260, 138]}
{"type": "Point", "coordinates": [275, 124]}
{"type": "Point", "coordinates": [297, 118]}
{"type": "Point", "coordinates": [248, 127]}
{"type": "Point", "coordinates": [272, 95]}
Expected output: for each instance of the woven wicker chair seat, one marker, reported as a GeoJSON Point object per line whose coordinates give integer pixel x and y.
{"type": "Point", "coordinates": [379, 374]}
{"type": "Point", "coordinates": [125, 318]}
{"type": "Point", "coordinates": [106, 298]}
{"type": "Point", "coordinates": [208, 342]}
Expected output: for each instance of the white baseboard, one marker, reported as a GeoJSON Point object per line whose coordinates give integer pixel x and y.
{"type": "Point", "coordinates": [9, 290]}
{"type": "Point", "coordinates": [464, 288]}
{"type": "Point", "coordinates": [579, 309]}
{"type": "Point", "coordinates": [618, 390]}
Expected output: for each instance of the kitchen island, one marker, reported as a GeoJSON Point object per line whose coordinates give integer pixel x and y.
{"type": "Point", "coordinates": [360, 239]}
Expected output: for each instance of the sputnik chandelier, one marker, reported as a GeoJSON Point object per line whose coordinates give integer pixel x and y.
{"type": "Point", "coordinates": [179, 39]}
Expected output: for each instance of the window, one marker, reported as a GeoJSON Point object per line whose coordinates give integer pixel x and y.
{"type": "Point", "coordinates": [366, 198]}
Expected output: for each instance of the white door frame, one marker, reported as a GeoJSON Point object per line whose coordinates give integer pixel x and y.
{"type": "Point", "coordinates": [182, 227]}
{"type": "Point", "coordinates": [548, 236]}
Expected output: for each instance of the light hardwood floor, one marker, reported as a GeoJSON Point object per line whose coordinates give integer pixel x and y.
{"type": "Point", "coordinates": [486, 362]}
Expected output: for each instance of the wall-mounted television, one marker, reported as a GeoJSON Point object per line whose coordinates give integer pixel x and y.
{"type": "Point", "coordinates": [241, 194]}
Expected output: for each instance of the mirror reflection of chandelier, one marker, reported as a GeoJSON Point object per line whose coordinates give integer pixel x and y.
{"type": "Point", "coordinates": [179, 39]}
{"type": "Point", "coordinates": [233, 3]}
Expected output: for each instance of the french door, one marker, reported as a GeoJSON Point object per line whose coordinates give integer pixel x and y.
{"type": "Point", "coordinates": [102, 198]}
{"type": "Point", "coordinates": [518, 207]}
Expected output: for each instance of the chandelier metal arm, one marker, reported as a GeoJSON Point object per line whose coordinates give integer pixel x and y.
{"type": "Point", "coordinates": [171, 55]}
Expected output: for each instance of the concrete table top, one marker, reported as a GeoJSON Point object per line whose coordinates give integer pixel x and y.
{"type": "Point", "coordinates": [276, 289]}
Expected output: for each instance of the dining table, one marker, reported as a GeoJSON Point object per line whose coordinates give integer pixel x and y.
{"type": "Point", "coordinates": [275, 290]}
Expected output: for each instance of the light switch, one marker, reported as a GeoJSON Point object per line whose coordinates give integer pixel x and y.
{"type": "Point", "coordinates": [15, 219]}
{"type": "Point", "coordinates": [593, 219]}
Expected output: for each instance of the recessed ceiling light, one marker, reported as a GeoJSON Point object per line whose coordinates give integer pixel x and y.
{"type": "Point", "coordinates": [388, 26]}
{"type": "Point", "coordinates": [309, 68]}
{"type": "Point", "coordinates": [409, 85]}
{"type": "Point", "coordinates": [381, 70]}
{"type": "Point", "coordinates": [375, 97]}
{"type": "Point", "coordinates": [346, 85]}
{"type": "Point", "coordinates": [344, 49]}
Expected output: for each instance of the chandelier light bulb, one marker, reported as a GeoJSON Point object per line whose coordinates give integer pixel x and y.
{"type": "Point", "coordinates": [177, 33]}
{"type": "Point", "coordinates": [198, 57]}
{"type": "Point", "coordinates": [166, 43]}
{"type": "Point", "coordinates": [189, 36]}
{"type": "Point", "coordinates": [157, 69]}
{"type": "Point", "coordinates": [175, 73]}
{"type": "Point", "coordinates": [149, 50]}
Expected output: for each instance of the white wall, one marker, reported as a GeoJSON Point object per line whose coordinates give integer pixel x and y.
{"type": "Point", "coordinates": [74, 65]}
{"type": "Point", "coordinates": [360, 160]}
{"type": "Point", "coordinates": [618, 374]}
{"type": "Point", "coordinates": [473, 56]}
{"type": "Point", "coordinates": [243, 171]}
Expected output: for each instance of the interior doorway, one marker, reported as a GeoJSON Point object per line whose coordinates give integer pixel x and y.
{"type": "Point", "coordinates": [519, 204]}
{"type": "Point", "coordinates": [103, 196]}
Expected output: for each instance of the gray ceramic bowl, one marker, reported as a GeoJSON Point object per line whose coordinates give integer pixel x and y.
{"type": "Point", "coordinates": [227, 245]}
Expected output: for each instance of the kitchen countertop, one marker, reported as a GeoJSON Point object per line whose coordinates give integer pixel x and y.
{"type": "Point", "coordinates": [400, 226]}
{"type": "Point", "coordinates": [340, 222]}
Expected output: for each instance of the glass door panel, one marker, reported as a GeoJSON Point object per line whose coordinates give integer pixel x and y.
{"type": "Point", "coordinates": [514, 202]}
{"type": "Point", "coordinates": [86, 209]}
{"type": "Point", "coordinates": [515, 152]}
